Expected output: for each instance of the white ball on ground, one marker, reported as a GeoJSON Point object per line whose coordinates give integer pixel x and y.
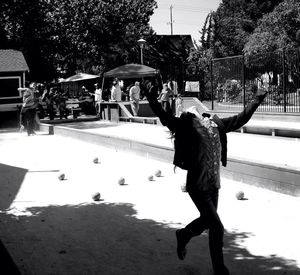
{"type": "Point", "coordinates": [62, 176]}
{"type": "Point", "coordinates": [96, 160]}
{"type": "Point", "coordinates": [240, 195]}
{"type": "Point", "coordinates": [157, 173]}
{"type": "Point", "coordinates": [150, 178]}
{"type": "Point", "coordinates": [96, 196]}
{"type": "Point", "coordinates": [121, 181]}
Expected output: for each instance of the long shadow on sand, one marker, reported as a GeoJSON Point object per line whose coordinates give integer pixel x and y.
{"type": "Point", "coordinates": [11, 179]}
{"type": "Point", "coordinates": [105, 238]}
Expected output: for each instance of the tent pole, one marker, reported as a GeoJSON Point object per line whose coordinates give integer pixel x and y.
{"type": "Point", "coordinates": [102, 84]}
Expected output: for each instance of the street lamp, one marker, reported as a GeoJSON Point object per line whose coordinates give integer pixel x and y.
{"type": "Point", "coordinates": [141, 43]}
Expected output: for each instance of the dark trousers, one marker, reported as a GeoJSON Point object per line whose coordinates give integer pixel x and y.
{"type": "Point", "coordinates": [99, 109]}
{"type": "Point", "coordinates": [63, 112]}
{"type": "Point", "coordinates": [29, 117]}
{"type": "Point", "coordinates": [207, 204]}
{"type": "Point", "coordinates": [166, 106]}
{"type": "Point", "coordinates": [51, 112]}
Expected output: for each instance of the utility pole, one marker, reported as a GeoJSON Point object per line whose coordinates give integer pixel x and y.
{"type": "Point", "coordinates": [171, 19]}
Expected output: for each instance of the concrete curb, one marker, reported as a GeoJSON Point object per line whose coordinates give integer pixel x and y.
{"type": "Point", "coordinates": [273, 177]}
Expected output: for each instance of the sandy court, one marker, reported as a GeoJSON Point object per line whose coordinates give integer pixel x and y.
{"type": "Point", "coordinates": [51, 226]}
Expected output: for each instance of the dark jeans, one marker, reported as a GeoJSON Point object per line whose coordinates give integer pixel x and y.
{"type": "Point", "coordinates": [29, 117]}
{"type": "Point", "coordinates": [207, 203]}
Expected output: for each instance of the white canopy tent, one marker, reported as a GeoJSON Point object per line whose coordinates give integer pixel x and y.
{"type": "Point", "coordinates": [80, 77]}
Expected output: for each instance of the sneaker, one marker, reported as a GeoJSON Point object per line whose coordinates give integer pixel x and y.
{"type": "Point", "coordinates": [181, 250]}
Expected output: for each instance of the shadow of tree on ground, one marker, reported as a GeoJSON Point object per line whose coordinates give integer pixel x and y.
{"type": "Point", "coordinates": [11, 179]}
{"type": "Point", "coordinates": [105, 238]}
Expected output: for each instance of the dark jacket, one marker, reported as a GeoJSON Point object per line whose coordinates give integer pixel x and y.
{"type": "Point", "coordinates": [182, 129]}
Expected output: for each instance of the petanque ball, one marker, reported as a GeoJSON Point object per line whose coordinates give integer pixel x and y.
{"type": "Point", "coordinates": [121, 181]}
{"type": "Point", "coordinates": [61, 176]}
{"type": "Point", "coordinates": [96, 196]}
{"type": "Point", "coordinates": [240, 195]}
{"type": "Point", "coordinates": [96, 160]}
{"type": "Point", "coordinates": [150, 178]}
{"type": "Point", "coordinates": [158, 173]}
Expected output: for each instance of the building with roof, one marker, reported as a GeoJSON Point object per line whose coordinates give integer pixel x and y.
{"type": "Point", "coordinates": [13, 69]}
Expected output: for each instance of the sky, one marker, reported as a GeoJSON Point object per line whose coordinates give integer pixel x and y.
{"type": "Point", "coordinates": [188, 16]}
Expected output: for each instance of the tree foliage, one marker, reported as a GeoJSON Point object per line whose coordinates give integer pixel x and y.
{"type": "Point", "coordinates": [71, 35]}
{"type": "Point", "coordinates": [277, 30]}
{"type": "Point", "coordinates": [234, 21]}
{"type": "Point", "coordinates": [24, 28]}
{"type": "Point", "coordinates": [105, 31]}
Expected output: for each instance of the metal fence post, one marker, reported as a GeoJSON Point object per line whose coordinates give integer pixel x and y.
{"type": "Point", "coordinates": [284, 80]}
{"type": "Point", "coordinates": [212, 84]}
{"type": "Point", "coordinates": [244, 81]}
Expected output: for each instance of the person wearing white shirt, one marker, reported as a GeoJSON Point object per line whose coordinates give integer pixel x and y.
{"type": "Point", "coordinates": [134, 96]}
{"type": "Point", "coordinates": [98, 99]}
{"type": "Point", "coordinates": [116, 93]}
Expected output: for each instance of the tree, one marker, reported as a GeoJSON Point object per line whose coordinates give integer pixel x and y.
{"type": "Point", "coordinates": [75, 35]}
{"type": "Point", "coordinates": [276, 31]}
{"type": "Point", "coordinates": [198, 65]}
{"type": "Point", "coordinates": [235, 21]}
{"type": "Point", "coordinates": [102, 34]}
{"type": "Point", "coordinates": [25, 29]}
{"type": "Point", "coordinates": [275, 41]}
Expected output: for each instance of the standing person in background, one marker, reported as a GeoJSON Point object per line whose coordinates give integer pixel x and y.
{"type": "Point", "coordinates": [179, 106]}
{"type": "Point", "coordinates": [153, 87]}
{"type": "Point", "coordinates": [200, 146]}
{"type": "Point", "coordinates": [28, 110]}
{"type": "Point", "coordinates": [121, 84]}
{"type": "Point", "coordinates": [164, 98]}
{"type": "Point", "coordinates": [172, 85]}
{"type": "Point", "coordinates": [86, 102]}
{"type": "Point", "coordinates": [62, 105]}
{"type": "Point", "coordinates": [82, 93]}
{"type": "Point", "coordinates": [134, 97]}
{"type": "Point", "coordinates": [36, 121]}
{"type": "Point", "coordinates": [116, 93]}
{"type": "Point", "coordinates": [40, 110]}
{"type": "Point", "coordinates": [49, 98]}
{"type": "Point", "coordinates": [98, 99]}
